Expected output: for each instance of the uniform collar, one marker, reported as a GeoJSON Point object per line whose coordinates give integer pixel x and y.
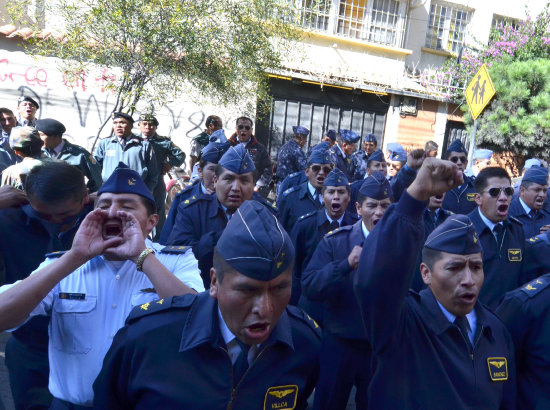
{"type": "Point", "coordinates": [215, 207]}
{"type": "Point", "coordinates": [525, 207]}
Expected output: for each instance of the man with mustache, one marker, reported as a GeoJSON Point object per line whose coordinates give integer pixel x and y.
{"type": "Point", "coordinates": [110, 268]}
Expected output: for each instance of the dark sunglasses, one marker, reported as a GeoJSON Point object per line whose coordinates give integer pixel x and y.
{"type": "Point", "coordinates": [246, 127]}
{"type": "Point", "coordinates": [456, 159]}
{"type": "Point", "coordinates": [495, 192]}
{"type": "Point", "coordinates": [317, 168]}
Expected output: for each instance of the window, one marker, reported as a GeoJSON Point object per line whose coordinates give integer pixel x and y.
{"type": "Point", "coordinates": [503, 21]}
{"type": "Point", "coordinates": [447, 26]}
{"type": "Point", "coordinates": [379, 21]}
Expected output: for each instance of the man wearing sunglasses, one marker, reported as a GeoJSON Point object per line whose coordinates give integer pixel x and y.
{"type": "Point", "coordinates": [460, 200]}
{"type": "Point", "coordinates": [306, 197]}
{"type": "Point", "coordinates": [501, 236]}
{"type": "Point", "coordinates": [264, 171]}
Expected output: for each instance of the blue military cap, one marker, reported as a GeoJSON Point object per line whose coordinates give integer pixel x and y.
{"type": "Point", "coordinates": [538, 175]}
{"type": "Point", "coordinates": [218, 136]}
{"type": "Point", "coordinates": [320, 155]}
{"type": "Point", "coordinates": [483, 153]}
{"type": "Point", "coordinates": [119, 114]}
{"type": "Point", "coordinates": [336, 178]}
{"type": "Point", "coordinates": [394, 146]}
{"type": "Point", "coordinates": [125, 180]}
{"type": "Point", "coordinates": [349, 136]}
{"type": "Point", "coordinates": [376, 186]}
{"type": "Point", "coordinates": [455, 146]}
{"type": "Point", "coordinates": [399, 155]}
{"type": "Point", "coordinates": [377, 155]}
{"type": "Point", "coordinates": [237, 159]}
{"type": "Point", "coordinates": [255, 244]}
{"type": "Point", "coordinates": [150, 118]}
{"type": "Point", "coordinates": [298, 129]}
{"type": "Point", "coordinates": [50, 127]}
{"type": "Point", "coordinates": [371, 138]}
{"type": "Point", "coordinates": [214, 151]}
{"type": "Point", "coordinates": [331, 134]}
{"type": "Point", "coordinates": [457, 235]}
{"type": "Point", "coordinates": [29, 99]}
{"type": "Point", "coordinates": [532, 162]}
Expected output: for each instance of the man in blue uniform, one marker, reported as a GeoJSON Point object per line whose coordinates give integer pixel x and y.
{"type": "Point", "coordinates": [167, 155]}
{"type": "Point", "coordinates": [89, 290]}
{"type": "Point", "coordinates": [234, 347]}
{"type": "Point", "coordinates": [376, 162]}
{"type": "Point", "coordinates": [128, 148]}
{"type": "Point", "coordinates": [306, 197]}
{"type": "Point", "coordinates": [201, 221]}
{"type": "Point", "coordinates": [500, 235]}
{"type": "Point", "coordinates": [55, 146]}
{"type": "Point", "coordinates": [346, 144]}
{"type": "Point", "coordinates": [310, 229]}
{"type": "Point", "coordinates": [208, 162]}
{"type": "Point", "coordinates": [460, 200]}
{"type": "Point", "coordinates": [395, 162]}
{"type": "Point", "coordinates": [358, 160]}
{"type": "Point", "coordinates": [526, 313]}
{"type": "Point", "coordinates": [291, 157]}
{"type": "Point", "coordinates": [528, 208]}
{"type": "Point", "coordinates": [328, 278]}
{"type": "Point", "coordinates": [440, 347]}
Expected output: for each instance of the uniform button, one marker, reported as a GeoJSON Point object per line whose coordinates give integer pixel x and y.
{"type": "Point", "coordinates": [114, 305]}
{"type": "Point", "coordinates": [117, 277]}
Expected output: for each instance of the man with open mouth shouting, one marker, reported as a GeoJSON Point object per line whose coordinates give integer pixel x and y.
{"type": "Point", "coordinates": [89, 290]}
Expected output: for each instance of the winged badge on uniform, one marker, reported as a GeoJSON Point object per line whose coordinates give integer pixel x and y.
{"type": "Point", "coordinates": [282, 393]}
{"type": "Point", "coordinates": [497, 364]}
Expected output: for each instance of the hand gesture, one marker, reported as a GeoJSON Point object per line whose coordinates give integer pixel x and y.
{"type": "Point", "coordinates": [434, 177]}
{"type": "Point", "coordinates": [416, 158]}
{"type": "Point", "coordinates": [354, 256]}
{"type": "Point", "coordinates": [132, 240]}
{"type": "Point", "coordinates": [11, 197]}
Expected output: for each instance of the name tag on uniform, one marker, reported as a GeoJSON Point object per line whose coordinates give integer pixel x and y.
{"type": "Point", "coordinates": [281, 397]}
{"type": "Point", "coordinates": [110, 153]}
{"type": "Point", "coordinates": [72, 296]}
{"type": "Point", "coordinates": [470, 197]}
{"type": "Point", "coordinates": [514, 255]}
{"type": "Point", "coordinates": [498, 368]}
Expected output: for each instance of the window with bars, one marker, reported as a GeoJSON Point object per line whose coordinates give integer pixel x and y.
{"type": "Point", "coordinates": [447, 26]}
{"type": "Point", "coordinates": [379, 21]}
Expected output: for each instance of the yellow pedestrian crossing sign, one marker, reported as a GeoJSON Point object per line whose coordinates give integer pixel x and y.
{"type": "Point", "coordinates": [479, 92]}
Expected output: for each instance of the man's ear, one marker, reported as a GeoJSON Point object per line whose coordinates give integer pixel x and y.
{"type": "Point", "coordinates": [213, 284]}
{"type": "Point", "coordinates": [477, 198]}
{"type": "Point", "coordinates": [426, 274]}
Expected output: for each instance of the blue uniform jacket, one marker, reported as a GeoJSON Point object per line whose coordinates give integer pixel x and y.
{"type": "Point", "coordinates": [291, 181]}
{"type": "Point", "coordinates": [341, 161]}
{"type": "Point", "coordinates": [328, 278]}
{"type": "Point", "coordinates": [531, 226]}
{"type": "Point", "coordinates": [171, 355]}
{"type": "Point", "coordinates": [503, 267]}
{"type": "Point", "coordinates": [461, 200]}
{"type": "Point", "coordinates": [537, 256]}
{"type": "Point", "coordinates": [526, 313]}
{"type": "Point", "coordinates": [291, 159]}
{"type": "Point", "coordinates": [296, 201]}
{"type": "Point", "coordinates": [422, 361]}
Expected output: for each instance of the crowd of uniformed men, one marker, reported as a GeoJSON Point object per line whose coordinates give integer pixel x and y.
{"type": "Point", "coordinates": [415, 279]}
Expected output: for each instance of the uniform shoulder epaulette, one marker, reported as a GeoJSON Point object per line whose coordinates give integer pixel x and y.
{"type": "Point", "coordinates": [305, 318]}
{"type": "Point", "coordinates": [55, 254]}
{"type": "Point", "coordinates": [535, 286]}
{"type": "Point", "coordinates": [292, 189]}
{"type": "Point", "coordinates": [339, 230]}
{"type": "Point", "coordinates": [191, 200]}
{"type": "Point", "coordinates": [534, 240]}
{"type": "Point", "coordinates": [160, 305]}
{"type": "Point", "coordinates": [301, 218]}
{"type": "Point", "coordinates": [294, 174]}
{"type": "Point", "coordinates": [175, 249]}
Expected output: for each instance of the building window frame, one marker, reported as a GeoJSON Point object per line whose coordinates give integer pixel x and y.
{"type": "Point", "coordinates": [447, 26]}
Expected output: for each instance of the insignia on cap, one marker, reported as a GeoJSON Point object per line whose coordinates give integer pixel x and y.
{"type": "Point", "coordinates": [132, 181]}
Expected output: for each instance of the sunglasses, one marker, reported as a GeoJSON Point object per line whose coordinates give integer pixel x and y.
{"type": "Point", "coordinates": [456, 159]}
{"type": "Point", "coordinates": [495, 192]}
{"type": "Point", "coordinates": [246, 127]}
{"type": "Point", "coordinates": [317, 168]}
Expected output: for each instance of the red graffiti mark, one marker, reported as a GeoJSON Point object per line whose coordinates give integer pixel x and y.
{"type": "Point", "coordinates": [32, 75]}
{"type": "Point", "coordinates": [104, 79]}
{"type": "Point", "coordinates": [75, 80]}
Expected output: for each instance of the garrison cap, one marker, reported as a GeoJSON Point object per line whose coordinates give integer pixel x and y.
{"type": "Point", "coordinates": [237, 159]}
{"type": "Point", "coordinates": [394, 146]}
{"type": "Point", "coordinates": [50, 127]}
{"type": "Point", "coordinates": [119, 114]}
{"type": "Point", "coordinates": [456, 234]}
{"type": "Point", "coordinates": [349, 136]}
{"type": "Point", "coordinates": [214, 151]}
{"type": "Point", "coordinates": [124, 180]}
{"type": "Point", "coordinates": [255, 244]}
{"type": "Point", "coordinates": [331, 134]}
{"type": "Point", "coordinates": [29, 99]}
{"type": "Point", "coordinates": [150, 118]}
{"type": "Point", "coordinates": [532, 162]}
{"type": "Point", "coordinates": [298, 129]}
{"type": "Point", "coordinates": [218, 136]}
{"type": "Point", "coordinates": [336, 178]}
{"type": "Point", "coordinates": [483, 153]}
{"type": "Point", "coordinates": [455, 146]}
{"type": "Point", "coordinates": [376, 186]}
{"type": "Point", "coordinates": [320, 155]}
{"type": "Point", "coordinates": [377, 155]}
{"type": "Point", "coordinates": [370, 138]}
{"type": "Point", "coordinates": [538, 175]}
{"type": "Point", "coordinates": [22, 137]}
{"type": "Point", "coordinates": [398, 155]}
